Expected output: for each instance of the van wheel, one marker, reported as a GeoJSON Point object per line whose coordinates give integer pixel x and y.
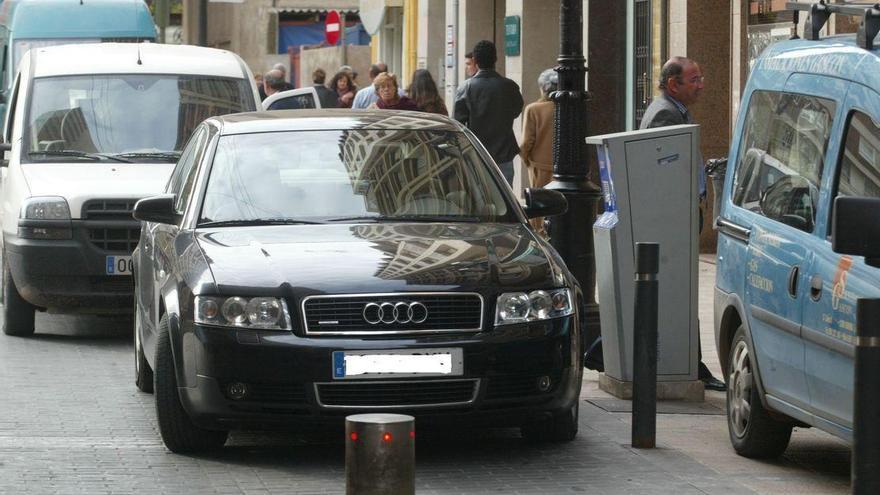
{"type": "Point", "coordinates": [178, 432]}
{"type": "Point", "coordinates": [753, 432]}
{"type": "Point", "coordinates": [18, 314]}
{"type": "Point", "coordinates": [143, 374]}
{"type": "Point", "coordinates": [560, 428]}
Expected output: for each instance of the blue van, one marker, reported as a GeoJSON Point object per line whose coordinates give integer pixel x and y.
{"type": "Point", "coordinates": [785, 303]}
{"type": "Point", "coordinates": [26, 24]}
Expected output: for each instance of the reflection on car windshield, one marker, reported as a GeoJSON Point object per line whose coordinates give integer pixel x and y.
{"type": "Point", "coordinates": [139, 116]}
{"type": "Point", "coordinates": [352, 175]}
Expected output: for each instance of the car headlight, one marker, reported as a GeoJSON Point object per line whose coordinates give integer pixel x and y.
{"type": "Point", "coordinates": [519, 307]}
{"type": "Point", "coordinates": [265, 313]}
{"type": "Point", "coordinates": [46, 217]}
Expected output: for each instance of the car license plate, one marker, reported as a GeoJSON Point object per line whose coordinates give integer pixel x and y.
{"type": "Point", "coordinates": [119, 265]}
{"type": "Point", "coordinates": [401, 363]}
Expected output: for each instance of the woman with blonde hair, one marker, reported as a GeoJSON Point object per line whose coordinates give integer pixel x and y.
{"type": "Point", "coordinates": [537, 146]}
{"type": "Point", "coordinates": [389, 98]}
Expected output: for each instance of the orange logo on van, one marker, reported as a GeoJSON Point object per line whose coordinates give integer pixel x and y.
{"type": "Point", "coordinates": [839, 283]}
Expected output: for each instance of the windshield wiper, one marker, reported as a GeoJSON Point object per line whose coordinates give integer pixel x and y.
{"type": "Point", "coordinates": [159, 155]}
{"type": "Point", "coordinates": [78, 154]}
{"type": "Point", "coordinates": [259, 221]}
{"type": "Point", "coordinates": [408, 218]}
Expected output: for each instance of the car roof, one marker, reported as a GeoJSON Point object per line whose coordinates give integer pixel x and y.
{"type": "Point", "coordinates": [835, 56]}
{"type": "Point", "coordinates": [331, 119]}
{"type": "Point", "coordinates": [135, 58]}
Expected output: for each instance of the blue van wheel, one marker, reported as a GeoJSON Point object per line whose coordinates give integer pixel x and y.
{"type": "Point", "coordinates": [753, 432]}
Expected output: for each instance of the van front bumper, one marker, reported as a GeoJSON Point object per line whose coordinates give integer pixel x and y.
{"type": "Point", "coordinates": [67, 276]}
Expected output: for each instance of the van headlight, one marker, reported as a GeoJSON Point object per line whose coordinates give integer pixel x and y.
{"type": "Point", "coordinates": [46, 217]}
{"type": "Point", "coordinates": [265, 313]}
{"type": "Point", "coordinates": [519, 307]}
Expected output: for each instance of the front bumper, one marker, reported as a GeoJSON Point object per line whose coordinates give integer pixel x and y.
{"type": "Point", "coordinates": [290, 383]}
{"type": "Point", "coordinates": [68, 276]}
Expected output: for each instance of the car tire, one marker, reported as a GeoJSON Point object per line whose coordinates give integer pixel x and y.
{"type": "Point", "coordinates": [178, 432]}
{"type": "Point", "coordinates": [754, 433]}
{"type": "Point", "coordinates": [143, 374]}
{"type": "Point", "coordinates": [562, 427]}
{"type": "Point", "coordinates": [18, 314]}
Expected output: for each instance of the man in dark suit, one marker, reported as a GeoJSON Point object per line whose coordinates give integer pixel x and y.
{"type": "Point", "coordinates": [681, 83]}
{"type": "Point", "coordinates": [487, 104]}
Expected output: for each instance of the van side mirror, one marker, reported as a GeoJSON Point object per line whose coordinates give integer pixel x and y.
{"type": "Point", "coordinates": [544, 203]}
{"type": "Point", "coordinates": [855, 228]}
{"type": "Point", "coordinates": [156, 209]}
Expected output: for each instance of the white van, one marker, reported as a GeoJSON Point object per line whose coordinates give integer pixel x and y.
{"type": "Point", "coordinates": [91, 129]}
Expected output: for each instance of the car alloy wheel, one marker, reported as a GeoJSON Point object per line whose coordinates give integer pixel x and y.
{"type": "Point", "coordinates": [740, 390]}
{"type": "Point", "coordinates": [754, 431]}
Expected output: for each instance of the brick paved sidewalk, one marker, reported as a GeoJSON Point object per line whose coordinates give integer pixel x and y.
{"type": "Point", "coordinates": [71, 422]}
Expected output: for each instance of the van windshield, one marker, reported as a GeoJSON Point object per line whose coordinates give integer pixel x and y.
{"type": "Point", "coordinates": [124, 116]}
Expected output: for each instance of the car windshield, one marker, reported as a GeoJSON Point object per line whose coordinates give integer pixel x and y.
{"type": "Point", "coordinates": [351, 176]}
{"type": "Point", "coordinates": [143, 116]}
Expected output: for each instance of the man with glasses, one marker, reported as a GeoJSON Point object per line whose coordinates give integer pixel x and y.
{"type": "Point", "coordinates": [681, 83]}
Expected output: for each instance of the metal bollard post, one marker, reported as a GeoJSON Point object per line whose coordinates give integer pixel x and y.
{"type": "Point", "coordinates": [644, 402]}
{"type": "Point", "coordinates": [380, 454]}
{"type": "Point", "coordinates": [866, 407]}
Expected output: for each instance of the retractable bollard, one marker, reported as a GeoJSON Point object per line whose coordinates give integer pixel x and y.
{"type": "Point", "coordinates": [380, 454]}
{"type": "Point", "coordinates": [644, 402]}
{"type": "Point", "coordinates": [866, 407]}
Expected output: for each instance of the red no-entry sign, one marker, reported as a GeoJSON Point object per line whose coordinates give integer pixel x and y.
{"type": "Point", "coordinates": [332, 27]}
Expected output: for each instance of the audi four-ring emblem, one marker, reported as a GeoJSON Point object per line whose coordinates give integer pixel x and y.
{"type": "Point", "coordinates": [399, 312]}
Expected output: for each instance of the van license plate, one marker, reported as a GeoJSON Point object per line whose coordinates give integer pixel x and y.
{"type": "Point", "coordinates": [119, 265]}
{"type": "Point", "coordinates": [401, 363]}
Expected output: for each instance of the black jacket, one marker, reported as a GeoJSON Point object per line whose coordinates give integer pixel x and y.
{"type": "Point", "coordinates": [488, 103]}
{"type": "Point", "coordinates": [326, 96]}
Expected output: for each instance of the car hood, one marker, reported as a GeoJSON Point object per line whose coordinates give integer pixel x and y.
{"type": "Point", "coordinates": [379, 258]}
{"type": "Point", "coordinates": [80, 182]}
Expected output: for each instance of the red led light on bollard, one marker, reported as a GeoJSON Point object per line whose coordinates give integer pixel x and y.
{"type": "Point", "coordinates": [353, 436]}
{"type": "Point", "coordinates": [387, 437]}
{"type": "Point", "coordinates": [412, 434]}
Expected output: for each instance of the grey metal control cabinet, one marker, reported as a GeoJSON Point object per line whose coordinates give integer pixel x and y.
{"type": "Point", "coordinates": [650, 190]}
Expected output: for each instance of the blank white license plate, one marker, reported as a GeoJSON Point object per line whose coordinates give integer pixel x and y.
{"type": "Point", "coordinates": [397, 363]}
{"type": "Point", "coordinates": [119, 265]}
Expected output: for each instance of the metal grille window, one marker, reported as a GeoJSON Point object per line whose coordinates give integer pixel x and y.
{"type": "Point", "coordinates": [642, 87]}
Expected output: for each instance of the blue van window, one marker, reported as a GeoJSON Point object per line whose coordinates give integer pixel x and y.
{"type": "Point", "coordinates": [781, 156]}
{"type": "Point", "coordinates": [860, 162]}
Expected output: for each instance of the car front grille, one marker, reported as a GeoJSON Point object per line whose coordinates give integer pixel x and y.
{"type": "Point", "coordinates": [110, 225]}
{"type": "Point", "coordinates": [345, 314]}
{"type": "Point", "coordinates": [112, 284]}
{"type": "Point", "coordinates": [419, 393]}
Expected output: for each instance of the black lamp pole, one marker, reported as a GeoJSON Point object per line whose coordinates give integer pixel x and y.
{"type": "Point", "coordinates": [572, 233]}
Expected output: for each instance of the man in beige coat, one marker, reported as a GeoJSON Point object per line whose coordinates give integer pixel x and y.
{"type": "Point", "coordinates": [537, 146]}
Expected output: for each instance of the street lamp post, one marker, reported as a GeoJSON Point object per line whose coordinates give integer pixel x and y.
{"type": "Point", "coordinates": [572, 233]}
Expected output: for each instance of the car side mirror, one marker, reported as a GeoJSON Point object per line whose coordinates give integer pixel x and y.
{"type": "Point", "coordinates": [156, 209]}
{"type": "Point", "coordinates": [544, 203]}
{"type": "Point", "coordinates": [855, 228]}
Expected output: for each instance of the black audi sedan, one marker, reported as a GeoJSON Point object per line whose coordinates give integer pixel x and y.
{"type": "Point", "coordinates": [306, 265]}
